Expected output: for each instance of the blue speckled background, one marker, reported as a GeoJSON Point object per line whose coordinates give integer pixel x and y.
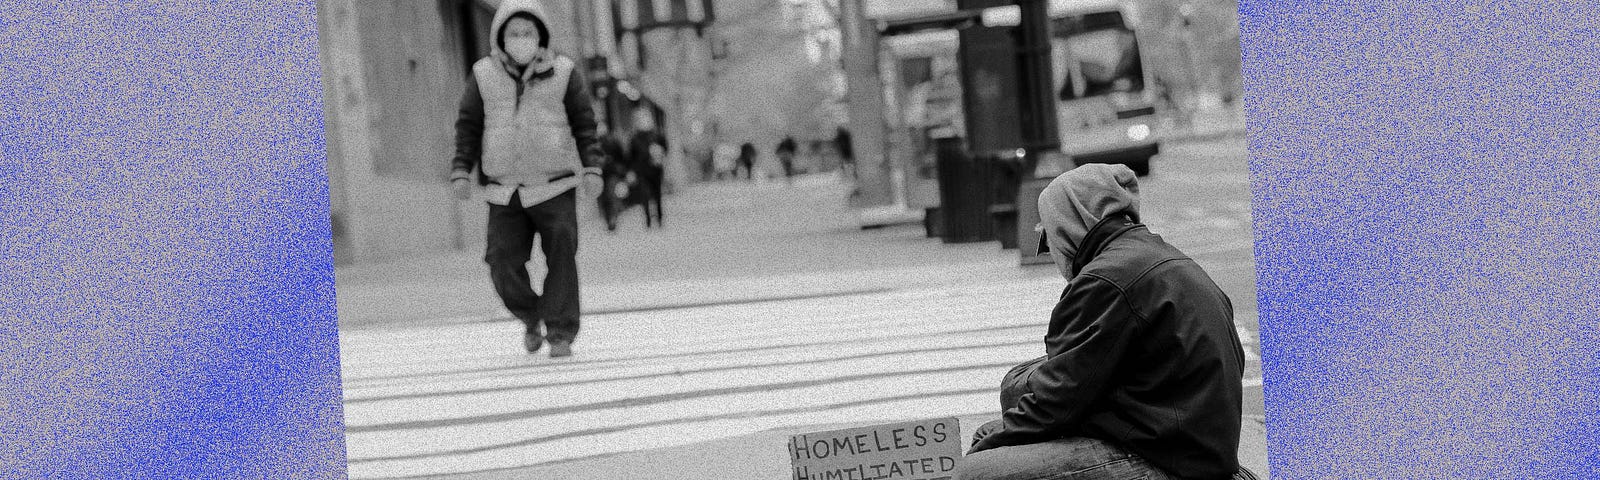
{"type": "Point", "coordinates": [1426, 218]}
{"type": "Point", "coordinates": [165, 255]}
{"type": "Point", "coordinates": [1426, 215]}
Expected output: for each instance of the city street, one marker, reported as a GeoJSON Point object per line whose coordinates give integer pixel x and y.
{"type": "Point", "coordinates": [761, 310]}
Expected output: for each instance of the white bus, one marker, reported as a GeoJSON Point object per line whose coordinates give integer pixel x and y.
{"type": "Point", "coordinates": [1106, 110]}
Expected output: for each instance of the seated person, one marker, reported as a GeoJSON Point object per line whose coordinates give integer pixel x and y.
{"type": "Point", "coordinates": [1143, 367]}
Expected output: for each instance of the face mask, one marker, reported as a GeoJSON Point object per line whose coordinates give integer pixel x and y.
{"type": "Point", "coordinates": [522, 49]}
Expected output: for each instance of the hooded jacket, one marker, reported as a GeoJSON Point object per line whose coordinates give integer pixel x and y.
{"type": "Point", "coordinates": [1077, 200]}
{"type": "Point", "coordinates": [530, 126]}
{"type": "Point", "coordinates": [1141, 348]}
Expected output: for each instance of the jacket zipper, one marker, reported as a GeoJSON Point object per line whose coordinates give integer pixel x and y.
{"type": "Point", "coordinates": [516, 104]}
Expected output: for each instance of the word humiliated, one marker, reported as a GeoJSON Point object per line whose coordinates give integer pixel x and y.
{"type": "Point", "coordinates": [930, 468]}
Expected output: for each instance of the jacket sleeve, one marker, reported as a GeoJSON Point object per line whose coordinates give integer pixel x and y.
{"type": "Point", "coordinates": [580, 117]}
{"type": "Point", "coordinates": [469, 132]}
{"type": "Point", "coordinates": [1090, 330]}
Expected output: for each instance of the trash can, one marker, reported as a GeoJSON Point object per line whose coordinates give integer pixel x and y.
{"type": "Point", "coordinates": [1005, 173]}
{"type": "Point", "coordinates": [1004, 218]}
{"type": "Point", "coordinates": [964, 194]}
{"type": "Point", "coordinates": [933, 222]}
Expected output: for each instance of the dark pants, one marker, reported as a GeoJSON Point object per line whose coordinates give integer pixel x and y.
{"type": "Point", "coordinates": [610, 205]}
{"type": "Point", "coordinates": [652, 197]}
{"type": "Point", "coordinates": [1072, 458]}
{"type": "Point", "coordinates": [511, 232]}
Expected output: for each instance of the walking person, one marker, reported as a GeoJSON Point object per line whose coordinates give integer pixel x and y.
{"type": "Point", "coordinates": [614, 171]}
{"type": "Point", "coordinates": [847, 158]}
{"type": "Point", "coordinates": [1143, 367]}
{"type": "Point", "coordinates": [647, 151]}
{"type": "Point", "coordinates": [526, 126]}
{"type": "Point", "coordinates": [785, 152]}
{"type": "Point", "coordinates": [724, 160]}
{"type": "Point", "coordinates": [747, 160]}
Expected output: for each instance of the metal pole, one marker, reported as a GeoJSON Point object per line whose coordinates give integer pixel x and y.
{"type": "Point", "coordinates": [873, 186]}
{"type": "Point", "coordinates": [1190, 65]}
{"type": "Point", "coordinates": [584, 38]}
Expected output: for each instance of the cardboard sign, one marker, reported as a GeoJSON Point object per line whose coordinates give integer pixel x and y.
{"type": "Point", "coordinates": [920, 450]}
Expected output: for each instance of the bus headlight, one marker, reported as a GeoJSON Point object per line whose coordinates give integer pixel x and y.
{"type": "Point", "coordinates": [1139, 132]}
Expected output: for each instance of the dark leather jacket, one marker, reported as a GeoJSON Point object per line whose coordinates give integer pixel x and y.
{"type": "Point", "coordinates": [1143, 354]}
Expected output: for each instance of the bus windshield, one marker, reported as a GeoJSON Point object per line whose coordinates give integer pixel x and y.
{"type": "Point", "coordinates": [1095, 55]}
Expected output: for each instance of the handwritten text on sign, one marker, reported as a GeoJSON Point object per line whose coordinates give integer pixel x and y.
{"type": "Point", "coordinates": [920, 450]}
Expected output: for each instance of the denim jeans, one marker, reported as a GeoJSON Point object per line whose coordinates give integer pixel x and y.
{"type": "Point", "coordinates": [510, 245]}
{"type": "Point", "coordinates": [1061, 459]}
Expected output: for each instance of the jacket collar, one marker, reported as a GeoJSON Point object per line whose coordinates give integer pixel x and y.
{"type": "Point", "coordinates": [1099, 237]}
{"type": "Point", "coordinates": [527, 73]}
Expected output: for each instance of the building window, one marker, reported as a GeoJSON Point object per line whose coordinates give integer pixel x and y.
{"type": "Point", "coordinates": [680, 10]}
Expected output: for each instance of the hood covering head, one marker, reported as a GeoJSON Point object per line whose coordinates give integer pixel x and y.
{"type": "Point", "coordinates": [497, 33]}
{"type": "Point", "coordinates": [1078, 200]}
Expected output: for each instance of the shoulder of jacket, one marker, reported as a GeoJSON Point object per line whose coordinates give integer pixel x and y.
{"type": "Point", "coordinates": [563, 62]}
{"type": "Point", "coordinates": [1114, 289]}
{"type": "Point", "coordinates": [485, 66]}
{"type": "Point", "coordinates": [1127, 263]}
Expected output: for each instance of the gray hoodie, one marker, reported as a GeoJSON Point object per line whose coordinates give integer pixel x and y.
{"type": "Point", "coordinates": [1079, 199]}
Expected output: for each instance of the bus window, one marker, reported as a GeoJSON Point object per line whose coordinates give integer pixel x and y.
{"type": "Point", "coordinates": [1106, 59]}
{"type": "Point", "coordinates": [1109, 60]}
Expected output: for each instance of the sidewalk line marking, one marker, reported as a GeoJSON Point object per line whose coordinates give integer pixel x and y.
{"type": "Point", "coordinates": [357, 361]}
{"type": "Point", "coordinates": [742, 301]}
{"type": "Point", "coordinates": [654, 399]}
{"type": "Point", "coordinates": [594, 371]}
{"type": "Point", "coordinates": [600, 363]}
{"type": "Point", "coordinates": [676, 372]}
{"type": "Point", "coordinates": [733, 415]}
{"type": "Point", "coordinates": [990, 297]}
{"type": "Point", "coordinates": [503, 317]}
{"type": "Point", "coordinates": [469, 320]}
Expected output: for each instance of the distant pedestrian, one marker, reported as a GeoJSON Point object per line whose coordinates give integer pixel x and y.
{"type": "Point", "coordinates": [527, 127]}
{"type": "Point", "coordinates": [847, 158]}
{"type": "Point", "coordinates": [725, 161]}
{"type": "Point", "coordinates": [785, 153]}
{"type": "Point", "coordinates": [747, 160]}
{"type": "Point", "coordinates": [615, 171]}
{"type": "Point", "coordinates": [647, 151]}
{"type": "Point", "coordinates": [1143, 367]}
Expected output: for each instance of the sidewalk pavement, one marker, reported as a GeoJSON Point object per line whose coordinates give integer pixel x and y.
{"type": "Point", "coordinates": [1210, 123]}
{"type": "Point", "coordinates": [725, 243]}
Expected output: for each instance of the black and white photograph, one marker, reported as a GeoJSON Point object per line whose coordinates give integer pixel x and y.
{"type": "Point", "coordinates": [792, 239]}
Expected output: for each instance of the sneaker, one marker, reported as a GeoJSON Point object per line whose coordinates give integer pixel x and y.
{"type": "Point", "coordinates": [532, 342]}
{"type": "Point", "coordinates": [560, 349]}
